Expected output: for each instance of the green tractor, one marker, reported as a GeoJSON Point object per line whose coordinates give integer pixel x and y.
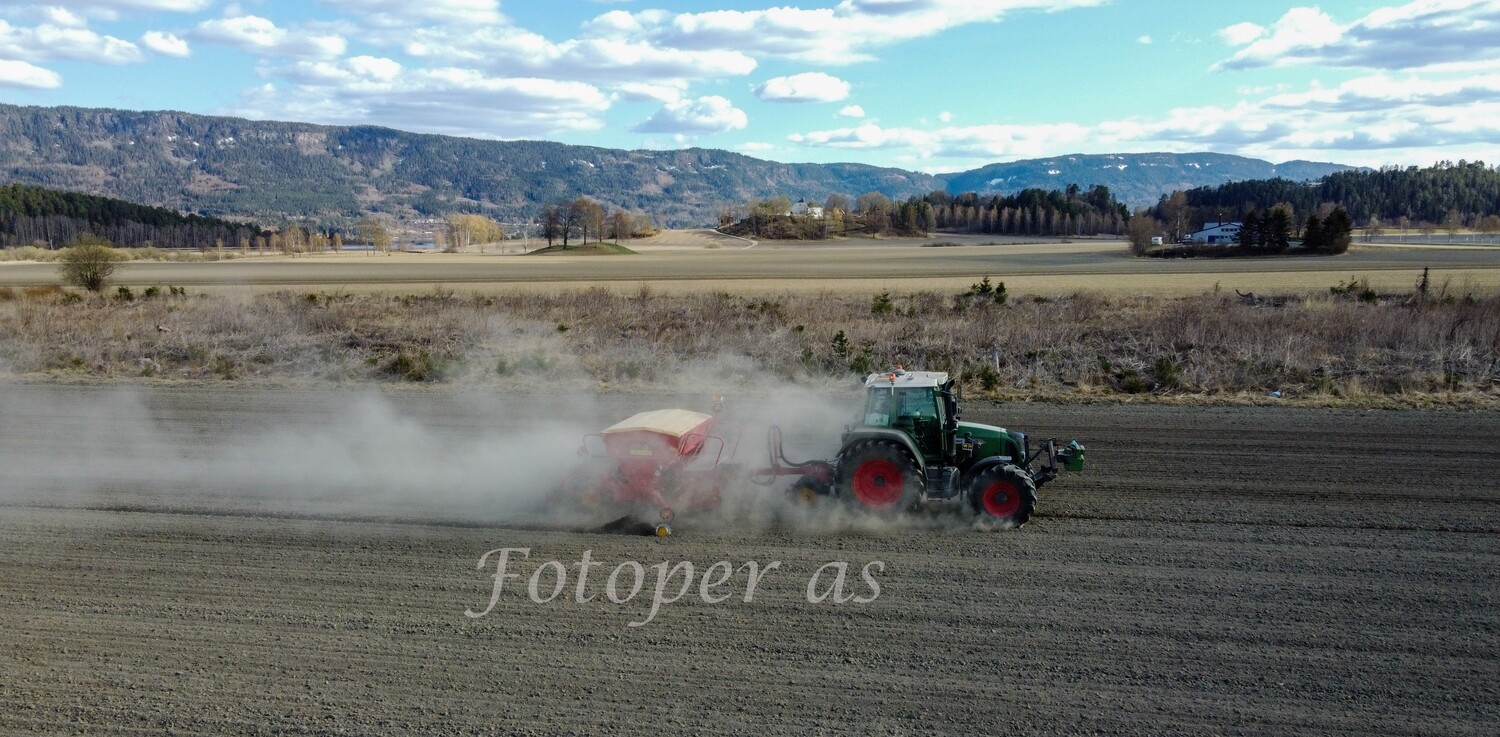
{"type": "Point", "coordinates": [911, 448]}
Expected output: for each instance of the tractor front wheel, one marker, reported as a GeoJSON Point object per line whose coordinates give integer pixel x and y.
{"type": "Point", "coordinates": [880, 476]}
{"type": "Point", "coordinates": [1003, 495]}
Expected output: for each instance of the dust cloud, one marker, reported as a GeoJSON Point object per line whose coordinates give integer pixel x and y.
{"type": "Point", "coordinates": [475, 454]}
{"type": "Point", "coordinates": [333, 451]}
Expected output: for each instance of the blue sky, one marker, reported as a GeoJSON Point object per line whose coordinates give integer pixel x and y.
{"type": "Point", "coordinates": [932, 85]}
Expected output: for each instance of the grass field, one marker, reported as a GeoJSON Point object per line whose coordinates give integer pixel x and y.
{"type": "Point", "coordinates": [838, 267]}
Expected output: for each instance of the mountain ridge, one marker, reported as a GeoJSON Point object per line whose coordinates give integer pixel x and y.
{"type": "Point", "coordinates": [273, 170]}
{"type": "Point", "coordinates": [1168, 172]}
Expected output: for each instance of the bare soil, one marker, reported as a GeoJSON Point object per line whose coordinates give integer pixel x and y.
{"type": "Point", "coordinates": [1214, 571]}
{"type": "Point", "coordinates": [852, 266]}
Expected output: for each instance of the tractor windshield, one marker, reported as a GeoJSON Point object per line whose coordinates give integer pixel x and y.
{"type": "Point", "coordinates": [885, 406]}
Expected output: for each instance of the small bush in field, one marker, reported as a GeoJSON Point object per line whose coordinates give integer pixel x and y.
{"type": "Point", "coordinates": [89, 264]}
{"type": "Point", "coordinates": [882, 304]}
{"type": "Point", "coordinates": [124, 294]}
{"type": "Point", "coordinates": [1168, 374]}
{"type": "Point", "coordinates": [414, 366]}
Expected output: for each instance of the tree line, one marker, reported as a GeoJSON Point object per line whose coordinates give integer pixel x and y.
{"type": "Point", "coordinates": [583, 217]}
{"type": "Point", "coordinates": [1447, 195]}
{"type": "Point", "coordinates": [31, 215]}
{"type": "Point", "coordinates": [1031, 212]}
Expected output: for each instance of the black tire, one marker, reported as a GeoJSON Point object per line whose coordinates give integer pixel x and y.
{"type": "Point", "coordinates": [880, 476]}
{"type": "Point", "coordinates": [1003, 495]}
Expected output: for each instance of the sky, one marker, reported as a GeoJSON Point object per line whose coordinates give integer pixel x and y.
{"type": "Point", "coordinates": [928, 85]}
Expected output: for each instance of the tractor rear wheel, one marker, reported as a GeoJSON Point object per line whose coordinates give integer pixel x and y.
{"type": "Point", "coordinates": [880, 476]}
{"type": "Point", "coordinates": [1003, 495]}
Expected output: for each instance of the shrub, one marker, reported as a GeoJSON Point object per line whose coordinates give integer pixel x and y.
{"type": "Point", "coordinates": [414, 366]}
{"type": "Point", "coordinates": [89, 265]}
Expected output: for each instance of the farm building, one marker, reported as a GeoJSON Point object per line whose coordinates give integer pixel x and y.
{"type": "Point", "coordinates": [1216, 233]}
{"type": "Point", "coordinates": [802, 208]}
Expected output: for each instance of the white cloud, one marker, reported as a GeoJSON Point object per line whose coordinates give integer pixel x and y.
{"type": "Point", "coordinates": [446, 100]}
{"type": "Point", "coordinates": [1240, 34]}
{"type": "Point", "coordinates": [808, 87]}
{"type": "Point", "coordinates": [61, 17]}
{"type": "Point", "coordinates": [945, 117]}
{"type": "Point", "coordinates": [711, 114]}
{"type": "Point", "coordinates": [843, 34]}
{"type": "Point", "coordinates": [1420, 34]}
{"type": "Point", "coordinates": [262, 36]}
{"type": "Point", "coordinates": [165, 44]}
{"type": "Point", "coordinates": [507, 50]}
{"type": "Point", "coordinates": [1369, 121]}
{"type": "Point", "coordinates": [851, 111]}
{"type": "Point", "coordinates": [404, 12]}
{"type": "Point", "coordinates": [112, 8]}
{"type": "Point", "coordinates": [1144, 40]}
{"type": "Point", "coordinates": [50, 42]}
{"type": "Point", "coordinates": [23, 74]}
{"type": "Point", "coordinates": [648, 92]}
{"type": "Point", "coordinates": [359, 70]}
{"type": "Point", "coordinates": [1384, 93]}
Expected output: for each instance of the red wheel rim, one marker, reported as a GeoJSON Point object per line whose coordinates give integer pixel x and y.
{"type": "Point", "coordinates": [878, 483]}
{"type": "Point", "coordinates": [1002, 499]}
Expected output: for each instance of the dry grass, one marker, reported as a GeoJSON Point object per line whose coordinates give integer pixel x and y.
{"type": "Point", "coordinates": [150, 253]}
{"type": "Point", "coordinates": [1320, 347]}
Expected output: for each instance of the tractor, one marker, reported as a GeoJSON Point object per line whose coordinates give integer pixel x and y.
{"type": "Point", "coordinates": [911, 447]}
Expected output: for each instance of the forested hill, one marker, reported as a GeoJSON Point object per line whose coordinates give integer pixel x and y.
{"type": "Point", "coordinates": [32, 215]}
{"type": "Point", "coordinates": [1467, 191]}
{"type": "Point", "coordinates": [272, 170]}
{"type": "Point", "coordinates": [1136, 179]}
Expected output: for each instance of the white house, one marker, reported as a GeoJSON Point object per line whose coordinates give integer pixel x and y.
{"type": "Point", "coordinates": [802, 208]}
{"type": "Point", "coordinates": [1217, 233]}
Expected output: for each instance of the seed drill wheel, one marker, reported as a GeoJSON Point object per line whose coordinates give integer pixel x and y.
{"type": "Point", "coordinates": [807, 491]}
{"type": "Point", "coordinates": [880, 476]}
{"type": "Point", "coordinates": [1003, 495]}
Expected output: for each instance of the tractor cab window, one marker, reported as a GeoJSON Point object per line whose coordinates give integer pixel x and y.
{"type": "Point", "coordinates": [886, 407]}
{"type": "Point", "coordinates": [878, 408]}
{"type": "Point", "coordinates": [917, 403]}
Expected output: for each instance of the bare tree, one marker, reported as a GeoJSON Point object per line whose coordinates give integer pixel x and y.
{"type": "Point", "coordinates": [574, 216]}
{"type": "Point", "coordinates": [620, 225]}
{"type": "Point", "coordinates": [1140, 230]}
{"type": "Point", "coordinates": [1453, 222]}
{"type": "Point", "coordinates": [374, 232]}
{"type": "Point", "coordinates": [594, 220]}
{"type": "Point", "coordinates": [469, 229]}
{"type": "Point", "coordinates": [552, 220]}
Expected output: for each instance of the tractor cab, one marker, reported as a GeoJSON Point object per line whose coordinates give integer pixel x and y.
{"type": "Point", "coordinates": [917, 403]}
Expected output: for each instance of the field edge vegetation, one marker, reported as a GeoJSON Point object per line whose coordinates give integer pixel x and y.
{"type": "Point", "coordinates": [1347, 346]}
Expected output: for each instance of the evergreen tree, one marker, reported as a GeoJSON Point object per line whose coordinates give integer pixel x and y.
{"type": "Point", "coordinates": [1312, 234]}
{"type": "Point", "coordinates": [1338, 230]}
{"type": "Point", "coordinates": [1249, 235]}
{"type": "Point", "coordinates": [1278, 229]}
